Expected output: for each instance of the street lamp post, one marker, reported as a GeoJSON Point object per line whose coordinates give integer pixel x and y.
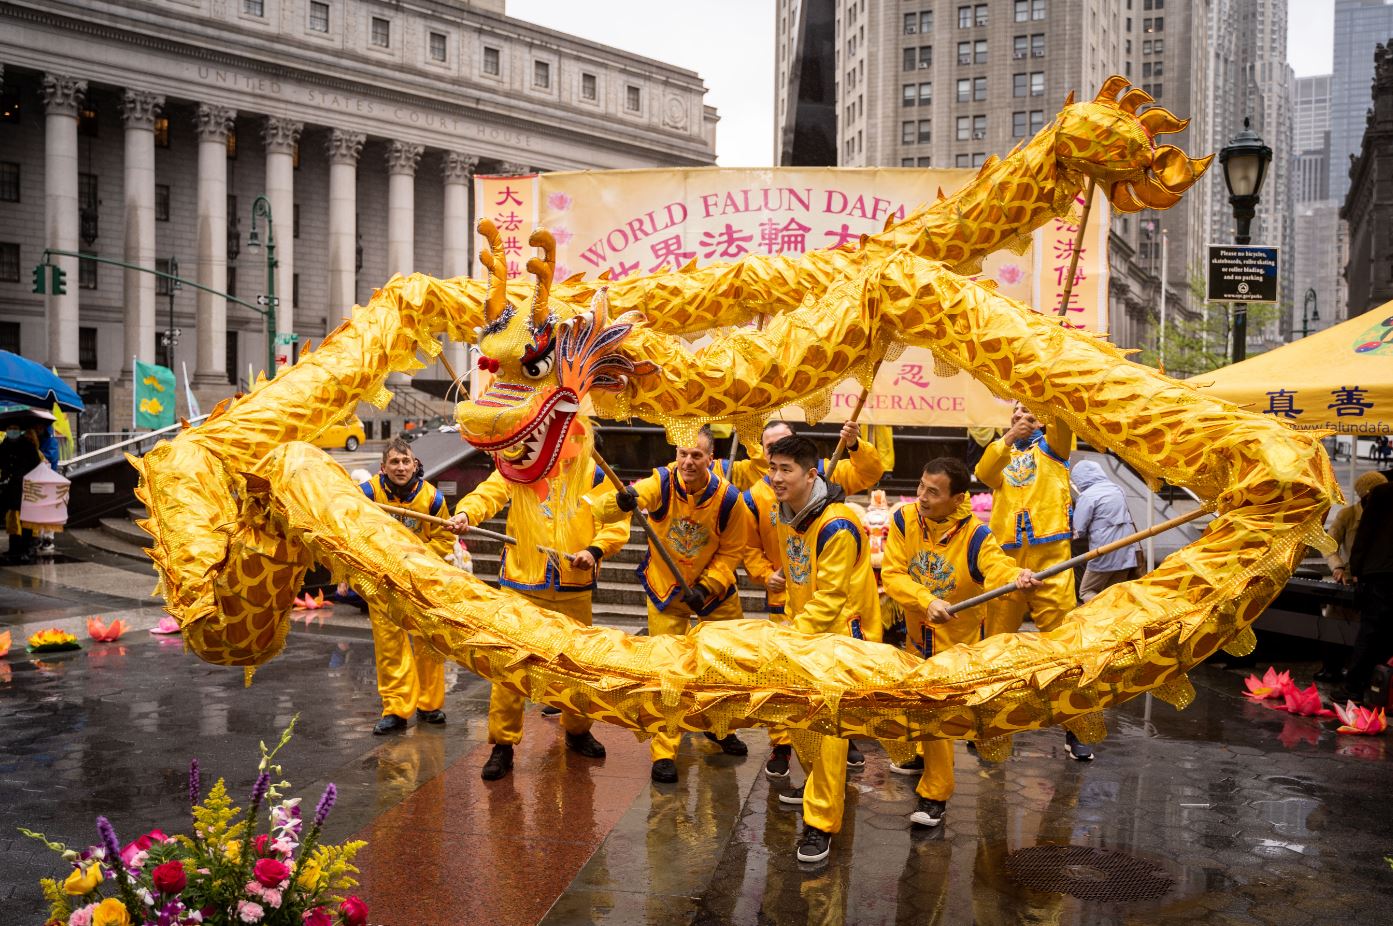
{"type": "Point", "coordinates": [170, 338]}
{"type": "Point", "coordinates": [261, 209]}
{"type": "Point", "coordinates": [1313, 304]}
{"type": "Point", "coordinates": [1245, 159]}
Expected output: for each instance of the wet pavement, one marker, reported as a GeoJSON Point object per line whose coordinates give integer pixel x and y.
{"type": "Point", "coordinates": [1226, 813]}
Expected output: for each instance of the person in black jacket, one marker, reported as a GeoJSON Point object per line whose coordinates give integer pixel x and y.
{"type": "Point", "coordinates": [1371, 565]}
{"type": "Point", "coordinates": [19, 454]}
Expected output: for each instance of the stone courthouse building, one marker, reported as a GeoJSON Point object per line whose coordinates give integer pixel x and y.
{"type": "Point", "coordinates": [145, 131]}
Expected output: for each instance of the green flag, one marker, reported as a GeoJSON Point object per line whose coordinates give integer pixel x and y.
{"type": "Point", "coordinates": [154, 396]}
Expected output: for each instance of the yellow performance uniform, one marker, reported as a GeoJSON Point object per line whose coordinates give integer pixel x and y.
{"type": "Point", "coordinates": [1031, 519]}
{"type": "Point", "coordinates": [705, 532]}
{"type": "Point", "coordinates": [826, 558]}
{"type": "Point", "coordinates": [950, 560]}
{"type": "Point", "coordinates": [410, 675]}
{"type": "Point", "coordinates": [554, 586]}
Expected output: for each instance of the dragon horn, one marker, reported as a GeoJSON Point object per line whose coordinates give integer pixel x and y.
{"type": "Point", "coordinates": [542, 268]}
{"type": "Point", "coordinates": [496, 263]}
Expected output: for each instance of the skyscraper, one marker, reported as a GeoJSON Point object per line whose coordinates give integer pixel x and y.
{"type": "Point", "coordinates": [1360, 25]}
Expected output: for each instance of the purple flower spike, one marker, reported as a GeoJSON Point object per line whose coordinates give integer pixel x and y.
{"type": "Point", "coordinates": [326, 804]}
{"type": "Point", "coordinates": [195, 783]}
{"type": "Point", "coordinates": [263, 784]}
{"type": "Point", "coordinates": [109, 842]}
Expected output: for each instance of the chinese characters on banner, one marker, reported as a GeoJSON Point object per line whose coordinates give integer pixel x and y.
{"type": "Point", "coordinates": [650, 221]}
{"type": "Point", "coordinates": [511, 203]}
{"type": "Point", "coordinates": [1054, 248]}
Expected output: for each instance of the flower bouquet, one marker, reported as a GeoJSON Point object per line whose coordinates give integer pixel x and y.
{"type": "Point", "coordinates": [232, 870]}
{"type": "Point", "coordinates": [52, 640]}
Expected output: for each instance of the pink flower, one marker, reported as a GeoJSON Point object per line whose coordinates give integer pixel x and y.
{"type": "Point", "coordinates": [141, 845]}
{"type": "Point", "coordinates": [249, 912]}
{"type": "Point", "coordinates": [1010, 274]}
{"type": "Point", "coordinates": [169, 878]}
{"type": "Point", "coordinates": [82, 916]}
{"type": "Point", "coordinates": [269, 872]}
{"type": "Point", "coordinates": [563, 237]}
{"type": "Point", "coordinates": [261, 842]}
{"type": "Point", "coordinates": [1269, 687]}
{"type": "Point", "coordinates": [1304, 702]}
{"type": "Point", "coordinates": [318, 917]}
{"type": "Point", "coordinates": [559, 201]}
{"type": "Point", "coordinates": [355, 912]}
{"type": "Point", "coordinates": [1360, 721]}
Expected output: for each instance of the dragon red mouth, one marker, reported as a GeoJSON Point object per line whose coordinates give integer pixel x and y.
{"type": "Point", "coordinates": [531, 452]}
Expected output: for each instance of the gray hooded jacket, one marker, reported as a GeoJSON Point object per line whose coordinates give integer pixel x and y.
{"type": "Point", "coordinates": [1101, 516]}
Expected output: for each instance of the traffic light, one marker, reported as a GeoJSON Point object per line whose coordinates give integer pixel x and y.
{"type": "Point", "coordinates": [60, 284]}
{"type": "Point", "coordinates": [40, 284]}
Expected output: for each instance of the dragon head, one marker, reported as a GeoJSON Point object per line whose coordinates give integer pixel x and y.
{"type": "Point", "coordinates": [545, 357]}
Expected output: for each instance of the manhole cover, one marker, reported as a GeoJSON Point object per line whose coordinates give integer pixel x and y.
{"type": "Point", "coordinates": [1088, 874]}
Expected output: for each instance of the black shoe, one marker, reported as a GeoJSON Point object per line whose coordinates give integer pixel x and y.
{"type": "Point", "coordinates": [854, 756]}
{"type": "Point", "coordinates": [1079, 752]}
{"type": "Point", "coordinates": [815, 845]}
{"type": "Point", "coordinates": [777, 764]}
{"type": "Point", "coordinates": [664, 771]}
{"type": "Point", "coordinates": [794, 796]}
{"type": "Point", "coordinates": [928, 813]}
{"type": "Point", "coordinates": [436, 716]}
{"type": "Point", "coordinates": [585, 744]}
{"type": "Point", "coordinates": [390, 723]}
{"type": "Point", "coordinates": [914, 766]}
{"type": "Point", "coordinates": [1341, 695]}
{"type": "Point", "coordinates": [549, 711]}
{"type": "Point", "coordinates": [730, 744]}
{"type": "Point", "coordinates": [500, 762]}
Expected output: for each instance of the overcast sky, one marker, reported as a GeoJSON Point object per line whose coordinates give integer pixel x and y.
{"type": "Point", "coordinates": [730, 43]}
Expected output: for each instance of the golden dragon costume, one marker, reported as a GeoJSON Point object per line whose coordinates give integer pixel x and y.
{"type": "Point", "coordinates": [240, 507]}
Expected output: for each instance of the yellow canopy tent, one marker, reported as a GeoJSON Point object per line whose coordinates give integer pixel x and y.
{"type": "Point", "coordinates": [1339, 379]}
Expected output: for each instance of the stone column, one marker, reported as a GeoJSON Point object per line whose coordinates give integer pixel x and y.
{"type": "Point", "coordinates": [343, 149]}
{"type": "Point", "coordinates": [138, 111]}
{"type": "Point", "coordinates": [458, 170]}
{"type": "Point", "coordinates": [62, 96]}
{"type": "Point", "coordinates": [402, 158]}
{"type": "Point", "coordinates": [214, 123]}
{"type": "Point", "coordinates": [281, 136]}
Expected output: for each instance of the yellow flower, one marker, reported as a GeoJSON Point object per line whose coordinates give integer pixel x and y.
{"type": "Point", "coordinates": [309, 875]}
{"type": "Point", "coordinates": [111, 912]}
{"type": "Point", "coordinates": [233, 851]}
{"type": "Point", "coordinates": [83, 880]}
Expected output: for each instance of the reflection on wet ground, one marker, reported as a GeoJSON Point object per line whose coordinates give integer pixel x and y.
{"type": "Point", "coordinates": [1241, 813]}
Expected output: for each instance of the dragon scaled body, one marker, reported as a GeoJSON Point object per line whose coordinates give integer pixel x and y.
{"type": "Point", "coordinates": [240, 507]}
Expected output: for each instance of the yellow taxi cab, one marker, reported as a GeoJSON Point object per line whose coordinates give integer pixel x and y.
{"type": "Point", "coordinates": [346, 433]}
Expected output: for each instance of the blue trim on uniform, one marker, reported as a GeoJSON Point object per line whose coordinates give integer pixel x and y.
{"type": "Point", "coordinates": [728, 503]}
{"type": "Point", "coordinates": [599, 477]}
{"type": "Point", "coordinates": [552, 579]}
{"type": "Point", "coordinates": [750, 502]}
{"type": "Point", "coordinates": [437, 503]}
{"type": "Point", "coordinates": [368, 490]}
{"type": "Point", "coordinates": [774, 608]}
{"type": "Point", "coordinates": [898, 518]}
{"type": "Point", "coordinates": [1026, 530]}
{"type": "Point", "coordinates": [821, 468]}
{"type": "Point", "coordinates": [664, 494]}
{"type": "Point", "coordinates": [1049, 452]}
{"type": "Point", "coordinates": [974, 547]}
{"type": "Point", "coordinates": [830, 529]}
{"type": "Point", "coordinates": [662, 603]}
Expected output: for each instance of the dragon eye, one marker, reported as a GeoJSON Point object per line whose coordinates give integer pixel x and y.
{"type": "Point", "coordinates": [536, 369]}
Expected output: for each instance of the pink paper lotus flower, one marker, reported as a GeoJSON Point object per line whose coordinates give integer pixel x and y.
{"type": "Point", "coordinates": [166, 626]}
{"type": "Point", "coordinates": [1360, 721]}
{"type": "Point", "coordinates": [103, 632]}
{"type": "Point", "coordinates": [1010, 274]}
{"type": "Point", "coordinates": [1269, 687]}
{"type": "Point", "coordinates": [306, 603]}
{"type": "Point", "coordinates": [1304, 702]}
{"type": "Point", "coordinates": [559, 201]}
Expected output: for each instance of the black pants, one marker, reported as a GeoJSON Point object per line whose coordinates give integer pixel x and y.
{"type": "Point", "coordinates": [21, 545]}
{"type": "Point", "coordinates": [1375, 641]}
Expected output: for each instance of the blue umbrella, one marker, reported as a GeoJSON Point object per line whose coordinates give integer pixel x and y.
{"type": "Point", "coordinates": [33, 384]}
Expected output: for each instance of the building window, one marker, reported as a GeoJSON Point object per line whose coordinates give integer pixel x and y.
{"type": "Point", "coordinates": [964, 17]}
{"type": "Point", "coordinates": [926, 93]}
{"type": "Point", "coordinates": [161, 202]}
{"type": "Point", "coordinates": [87, 199]}
{"type": "Point", "coordinates": [588, 87]}
{"type": "Point", "coordinates": [162, 132]}
{"type": "Point", "coordinates": [962, 160]}
{"type": "Point", "coordinates": [911, 23]}
{"type": "Point", "coordinates": [910, 58]}
{"type": "Point", "coordinates": [1020, 84]}
{"type": "Point", "coordinates": [964, 128]}
{"type": "Point", "coordinates": [87, 122]}
{"type": "Point", "coordinates": [1154, 25]}
{"type": "Point", "coordinates": [541, 75]}
{"type": "Point", "coordinates": [87, 272]}
{"type": "Point", "coordinates": [319, 16]}
{"type": "Point", "coordinates": [979, 127]}
{"type": "Point", "coordinates": [926, 56]}
{"type": "Point", "coordinates": [925, 131]}
{"type": "Point", "coordinates": [926, 22]}
{"type": "Point", "coordinates": [979, 51]}
{"type": "Point", "coordinates": [87, 348]}
{"type": "Point", "coordinates": [908, 95]}
{"type": "Point", "coordinates": [1020, 47]}
{"type": "Point", "coordinates": [964, 53]}
{"type": "Point", "coordinates": [1038, 10]}
{"type": "Point", "coordinates": [9, 262]}
{"type": "Point", "coordinates": [964, 89]}
{"type": "Point", "coordinates": [925, 162]}
{"type": "Point", "coordinates": [979, 158]}
{"type": "Point", "coordinates": [980, 14]}
{"type": "Point", "coordinates": [906, 162]}
{"type": "Point", "coordinates": [1037, 120]}
{"type": "Point", "coordinates": [979, 88]}
{"type": "Point", "coordinates": [9, 337]}
{"type": "Point", "coordinates": [437, 46]}
{"type": "Point", "coordinates": [254, 7]}
{"type": "Point", "coordinates": [1037, 45]}
{"type": "Point", "coordinates": [231, 357]}
{"type": "Point", "coordinates": [162, 284]}
{"type": "Point", "coordinates": [295, 221]}
{"type": "Point", "coordinates": [232, 144]}
{"type": "Point", "coordinates": [1159, 46]}
{"type": "Point", "coordinates": [295, 290]}
{"type": "Point", "coordinates": [491, 62]}
{"type": "Point", "coordinates": [633, 98]}
{"type": "Point", "coordinates": [381, 32]}
{"type": "Point", "coordinates": [1018, 124]}
{"type": "Point", "coordinates": [906, 133]}
{"type": "Point", "coordinates": [1022, 11]}
{"type": "Point", "coordinates": [1037, 83]}
{"type": "Point", "coordinates": [9, 182]}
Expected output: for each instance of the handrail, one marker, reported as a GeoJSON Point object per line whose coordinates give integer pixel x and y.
{"type": "Point", "coordinates": [65, 464]}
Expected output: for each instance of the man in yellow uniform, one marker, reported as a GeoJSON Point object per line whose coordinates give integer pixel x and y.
{"type": "Point", "coordinates": [861, 469]}
{"type": "Point", "coordinates": [825, 556]}
{"type": "Point", "coordinates": [704, 526]}
{"type": "Point", "coordinates": [937, 554]}
{"type": "Point", "coordinates": [1028, 473]}
{"type": "Point", "coordinates": [564, 586]}
{"type": "Point", "coordinates": [410, 675]}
